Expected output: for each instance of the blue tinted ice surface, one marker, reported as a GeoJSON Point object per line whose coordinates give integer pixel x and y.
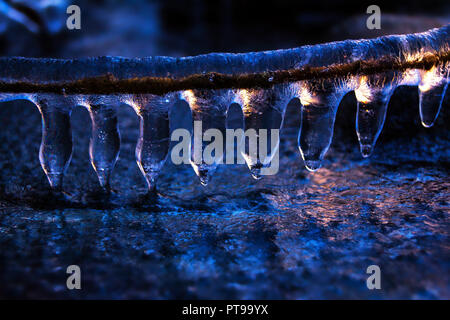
{"type": "Point", "coordinates": [294, 235]}
{"type": "Point", "coordinates": [403, 47]}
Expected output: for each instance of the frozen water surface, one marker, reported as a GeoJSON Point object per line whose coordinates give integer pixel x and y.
{"type": "Point", "coordinates": [297, 234]}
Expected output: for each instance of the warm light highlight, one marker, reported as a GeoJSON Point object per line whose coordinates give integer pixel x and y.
{"type": "Point", "coordinates": [430, 79]}
{"type": "Point", "coordinates": [307, 97]}
{"type": "Point", "coordinates": [363, 92]}
{"type": "Point", "coordinates": [189, 96]}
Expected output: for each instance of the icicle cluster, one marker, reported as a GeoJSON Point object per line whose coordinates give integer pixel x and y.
{"type": "Point", "coordinates": [262, 83]}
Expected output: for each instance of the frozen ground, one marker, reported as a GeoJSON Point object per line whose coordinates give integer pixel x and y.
{"type": "Point", "coordinates": [294, 235]}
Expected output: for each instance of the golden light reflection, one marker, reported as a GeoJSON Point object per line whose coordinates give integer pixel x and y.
{"type": "Point", "coordinates": [306, 96]}
{"type": "Point", "coordinates": [189, 96]}
{"type": "Point", "coordinates": [430, 79]}
{"type": "Point", "coordinates": [363, 92]}
{"type": "Point", "coordinates": [82, 101]}
{"type": "Point", "coordinates": [246, 97]}
{"type": "Point", "coordinates": [414, 56]}
{"type": "Point", "coordinates": [131, 101]}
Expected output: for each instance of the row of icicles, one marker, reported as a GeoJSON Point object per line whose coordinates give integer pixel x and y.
{"type": "Point", "coordinates": [261, 107]}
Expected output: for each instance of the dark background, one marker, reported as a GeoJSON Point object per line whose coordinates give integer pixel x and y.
{"type": "Point", "coordinates": [296, 235]}
{"type": "Point", "coordinates": [189, 27]}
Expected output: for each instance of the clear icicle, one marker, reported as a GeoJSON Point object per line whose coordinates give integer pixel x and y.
{"type": "Point", "coordinates": [373, 94]}
{"type": "Point", "coordinates": [263, 111]}
{"type": "Point", "coordinates": [432, 89]}
{"type": "Point", "coordinates": [104, 144]}
{"type": "Point", "coordinates": [320, 101]}
{"type": "Point", "coordinates": [56, 147]}
{"type": "Point", "coordinates": [209, 110]}
{"type": "Point", "coordinates": [154, 130]}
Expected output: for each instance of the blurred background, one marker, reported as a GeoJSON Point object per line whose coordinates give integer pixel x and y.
{"type": "Point", "coordinates": [138, 28]}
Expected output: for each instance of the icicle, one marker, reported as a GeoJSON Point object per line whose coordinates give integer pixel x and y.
{"type": "Point", "coordinates": [263, 111]}
{"type": "Point", "coordinates": [373, 94]}
{"type": "Point", "coordinates": [153, 142]}
{"type": "Point", "coordinates": [56, 146]}
{"type": "Point", "coordinates": [432, 89]}
{"type": "Point", "coordinates": [104, 144]}
{"type": "Point", "coordinates": [209, 110]}
{"type": "Point", "coordinates": [318, 75]}
{"type": "Point", "coordinates": [320, 101]}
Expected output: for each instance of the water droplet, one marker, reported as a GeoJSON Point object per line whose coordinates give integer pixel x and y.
{"type": "Point", "coordinates": [366, 150]}
{"type": "Point", "coordinates": [204, 177]}
{"type": "Point", "coordinates": [313, 165]}
{"type": "Point", "coordinates": [256, 172]}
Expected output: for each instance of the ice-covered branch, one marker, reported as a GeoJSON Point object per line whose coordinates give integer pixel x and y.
{"type": "Point", "coordinates": [262, 83]}
{"type": "Point", "coordinates": [159, 75]}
